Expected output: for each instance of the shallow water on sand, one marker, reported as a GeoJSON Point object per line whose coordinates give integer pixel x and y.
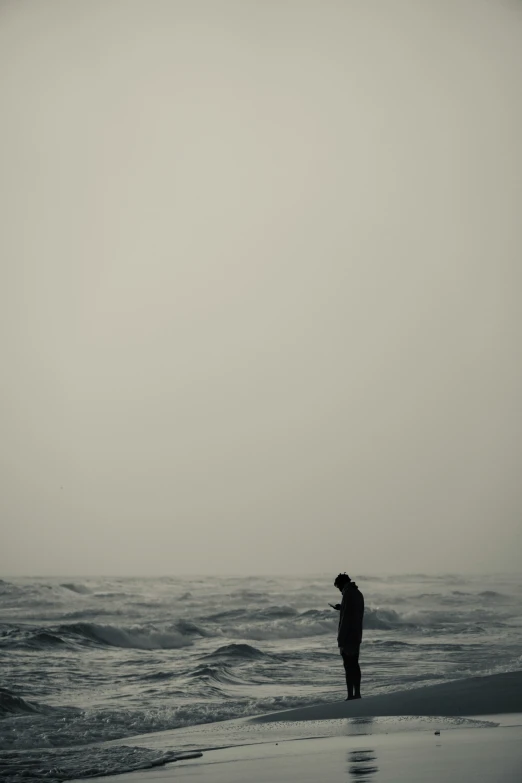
{"type": "Point", "coordinates": [90, 660]}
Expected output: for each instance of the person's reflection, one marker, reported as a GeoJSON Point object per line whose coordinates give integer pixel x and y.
{"type": "Point", "coordinates": [360, 725]}
{"type": "Point", "coordinates": [361, 764]}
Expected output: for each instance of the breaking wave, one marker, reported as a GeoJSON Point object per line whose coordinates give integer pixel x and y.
{"type": "Point", "coordinates": [269, 623]}
{"type": "Point", "coordinates": [240, 652]}
{"type": "Point", "coordinates": [139, 637]}
{"type": "Point", "coordinates": [219, 673]}
{"type": "Point", "coordinates": [75, 588]}
{"type": "Point", "coordinates": [136, 637]}
{"type": "Point", "coordinates": [11, 704]}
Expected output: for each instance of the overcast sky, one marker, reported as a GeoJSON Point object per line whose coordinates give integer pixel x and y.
{"type": "Point", "coordinates": [261, 286]}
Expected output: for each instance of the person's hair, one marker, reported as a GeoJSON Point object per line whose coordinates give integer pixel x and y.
{"type": "Point", "coordinates": [341, 580]}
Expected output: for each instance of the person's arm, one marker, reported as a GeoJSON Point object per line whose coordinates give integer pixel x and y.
{"type": "Point", "coordinates": [343, 621]}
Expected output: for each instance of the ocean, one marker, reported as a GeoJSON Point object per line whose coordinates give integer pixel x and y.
{"type": "Point", "coordinates": [91, 660]}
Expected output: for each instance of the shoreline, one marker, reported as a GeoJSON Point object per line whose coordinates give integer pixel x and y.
{"type": "Point", "coordinates": [476, 755]}
{"type": "Point", "coordinates": [425, 734]}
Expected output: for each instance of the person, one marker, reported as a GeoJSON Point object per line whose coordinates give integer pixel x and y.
{"type": "Point", "coordinates": [349, 635]}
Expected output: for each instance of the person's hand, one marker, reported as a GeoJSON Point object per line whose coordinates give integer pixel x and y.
{"type": "Point", "coordinates": [336, 606]}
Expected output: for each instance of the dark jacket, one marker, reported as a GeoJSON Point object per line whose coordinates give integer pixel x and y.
{"type": "Point", "coordinates": [351, 616]}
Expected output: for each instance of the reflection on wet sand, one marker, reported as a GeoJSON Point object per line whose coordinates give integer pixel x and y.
{"type": "Point", "coordinates": [361, 764]}
{"type": "Point", "coordinates": [360, 725]}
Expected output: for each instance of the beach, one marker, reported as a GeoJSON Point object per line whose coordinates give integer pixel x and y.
{"type": "Point", "coordinates": [260, 406]}
{"type": "Point", "coordinates": [465, 755]}
{"type": "Point", "coordinates": [470, 730]}
{"type": "Point", "coordinates": [104, 676]}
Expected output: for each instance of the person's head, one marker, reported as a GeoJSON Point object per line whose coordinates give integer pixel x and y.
{"type": "Point", "coordinates": [341, 580]}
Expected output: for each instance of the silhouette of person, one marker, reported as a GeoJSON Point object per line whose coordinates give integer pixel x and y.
{"type": "Point", "coordinates": [349, 635]}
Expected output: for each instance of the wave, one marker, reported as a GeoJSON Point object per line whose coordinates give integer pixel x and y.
{"type": "Point", "coordinates": [188, 628]}
{"type": "Point", "coordinates": [220, 674]}
{"type": "Point", "coordinates": [390, 643]}
{"type": "Point", "coordinates": [154, 676]}
{"type": "Point", "coordinates": [7, 587]}
{"type": "Point", "coordinates": [32, 639]}
{"type": "Point", "coordinates": [84, 614]}
{"type": "Point", "coordinates": [432, 646]}
{"type": "Point", "coordinates": [139, 637]}
{"type": "Point", "coordinates": [286, 623]}
{"type": "Point", "coordinates": [384, 620]}
{"type": "Point", "coordinates": [45, 639]}
{"type": "Point", "coordinates": [493, 594]}
{"type": "Point", "coordinates": [72, 763]}
{"type": "Point", "coordinates": [83, 727]}
{"type": "Point", "coordinates": [317, 622]}
{"type": "Point", "coordinates": [250, 595]}
{"type": "Point", "coordinates": [461, 597]}
{"type": "Point", "coordinates": [75, 588]}
{"type": "Point", "coordinates": [287, 630]}
{"type": "Point", "coordinates": [239, 652]}
{"type": "Point", "coordinates": [11, 704]}
{"type": "Point", "coordinates": [228, 614]}
{"type": "Point", "coordinates": [268, 613]}
{"type": "Point", "coordinates": [270, 623]}
{"type": "Point", "coordinates": [481, 594]}
{"type": "Point", "coordinates": [142, 638]}
{"type": "Point", "coordinates": [461, 620]}
{"type": "Point", "coordinates": [135, 637]}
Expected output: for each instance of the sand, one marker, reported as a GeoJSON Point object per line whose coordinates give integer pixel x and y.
{"type": "Point", "coordinates": [468, 731]}
{"type": "Point", "coordinates": [496, 693]}
{"type": "Point", "coordinates": [492, 755]}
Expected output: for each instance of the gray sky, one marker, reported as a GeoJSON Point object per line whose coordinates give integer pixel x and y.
{"type": "Point", "coordinates": [260, 290]}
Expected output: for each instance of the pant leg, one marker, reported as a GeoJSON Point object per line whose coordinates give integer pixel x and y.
{"type": "Point", "coordinates": [352, 669]}
{"type": "Point", "coordinates": [348, 671]}
{"type": "Point", "coordinates": [356, 674]}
